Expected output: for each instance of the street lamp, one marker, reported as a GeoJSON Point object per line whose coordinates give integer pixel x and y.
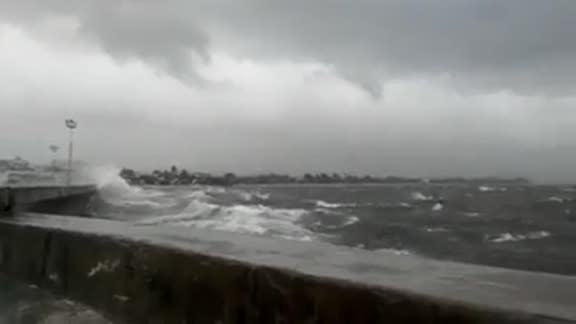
{"type": "Point", "coordinates": [71, 125]}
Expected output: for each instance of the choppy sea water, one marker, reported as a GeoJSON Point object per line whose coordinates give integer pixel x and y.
{"type": "Point", "coordinates": [521, 227]}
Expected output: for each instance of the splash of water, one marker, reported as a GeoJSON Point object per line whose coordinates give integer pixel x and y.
{"type": "Point", "coordinates": [102, 176]}
{"type": "Point", "coordinates": [213, 208]}
{"type": "Point", "coordinates": [248, 219]}
{"type": "Point", "coordinates": [118, 195]}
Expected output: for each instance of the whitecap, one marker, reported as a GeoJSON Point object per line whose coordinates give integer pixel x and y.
{"type": "Point", "coordinates": [141, 203]}
{"type": "Point", "coordinates": [253, 195]}
{"type": "Point", "coordinates": [244, 195]}
{"type": "Point", "coordinates": [394, 251]}
{"type": "Point", "coordinates": [555, 199]}
{"type": "Point", "coordinates": [509, 237]}
{"type": "Point", "coordinates": [199, 195]}
{"type": "Point", "coordinates": [324, 204]}
{"type": "Point", "coordinates": [214, 189]}
{"type": "Point", "coordinates": [491, 189]}
{"type": "Point", "coordinates": [261, 196]}
{"type": "Point", "coordinates": [421, 197]}
{"type": "Point", "coordinates": [326, 211]}
{"type": "Point", "coordinates": [248, 219]}
{"type": "Point", "coordinates": [486, 189]}
{"type": "Point", "coordinates": [438, 207]}
{"type": "Point", "coordinates": [436, 229]}
{"type": "Point", "coordinates": [351, 220]}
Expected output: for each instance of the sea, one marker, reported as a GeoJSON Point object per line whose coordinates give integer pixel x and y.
{"type": "Point", "coordinates": [527, 227]}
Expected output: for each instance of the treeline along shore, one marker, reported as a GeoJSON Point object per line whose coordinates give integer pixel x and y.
{"type": "Point", "coordinates": [176, 176]}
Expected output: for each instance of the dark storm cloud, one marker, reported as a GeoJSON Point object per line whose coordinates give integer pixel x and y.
{"type": "Point", "coordinates": [164, 38]}
{"type": "Point", "coordinates": [527, 46]}
{"type": "Point", "coordinates": [523, 45]}
{"type": "Point", "coordinates": [156, 33]}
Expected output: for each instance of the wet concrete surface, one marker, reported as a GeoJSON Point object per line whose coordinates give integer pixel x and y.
{"type": "Point", "coordinates": [27, 304]}
{"type": "Point", "coordinates": [205, 276]}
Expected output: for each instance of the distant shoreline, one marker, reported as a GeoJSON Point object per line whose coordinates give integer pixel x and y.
{"type": "Point", "coordinates": [175, 176]}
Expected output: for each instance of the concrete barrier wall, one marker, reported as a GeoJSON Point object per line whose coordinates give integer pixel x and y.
{"type": "Point", "coordinates": [49, 199]}
{"type": "Point", "coordinates": [21, 303]}
{"type": "Point", "coordinates": [141, 274]}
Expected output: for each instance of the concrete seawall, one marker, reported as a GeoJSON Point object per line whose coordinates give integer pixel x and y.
{"type": "Point", "coordinates": [48, 199]}
{"type": "Point", "coordinates": [144, 274]}
{"type": "Point", "coordinates": [22, 303]}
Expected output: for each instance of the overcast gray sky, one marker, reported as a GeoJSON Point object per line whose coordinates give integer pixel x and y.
{"type": "Point", "coordinates": [407, 87]}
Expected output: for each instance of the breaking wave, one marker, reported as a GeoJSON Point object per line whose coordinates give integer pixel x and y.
{"type": "Point", "coordinates": [509, 237]}
{"type": "Point", "coordinates": [491, 189]}
{"type": "Point", "coordinates": [556, 199]}
{"type": "Point", "coordinates": [115, 191]}
{"type": "Point", "coordinates": [249, 219]}
{"type": "Point", "coordinates": [435, 229]}
{"type": "Point", "coordinates": [324, 204]}
{"type": "Point", "coordinates": [250, 196]}
{"type": "Point", "coordinates": [394, 251]}
{"type": "Point", "coordinates": [418, 196]}
{"type": "Point", "coordinates": [215, 208]}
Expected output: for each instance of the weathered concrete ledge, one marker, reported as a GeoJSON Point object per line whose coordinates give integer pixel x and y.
{"type": "Point", "coordinates": [145, 274]}
{"type": "Point", "coordinates": [26, 304]}
{"type": "Point", "coordinates": [23, 197]}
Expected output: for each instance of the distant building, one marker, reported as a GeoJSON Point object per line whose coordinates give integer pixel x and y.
{"type": "Point", "coordinates": [19, 171]}
{"type": "Point", "coordinates": [15, 164]}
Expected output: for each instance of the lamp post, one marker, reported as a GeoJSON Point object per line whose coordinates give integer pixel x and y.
{"type": "Point", "coordinates": [71, 125]}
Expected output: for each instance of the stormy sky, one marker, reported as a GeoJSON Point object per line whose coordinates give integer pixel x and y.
{"type": "Point", "coordinates": [404, 87]}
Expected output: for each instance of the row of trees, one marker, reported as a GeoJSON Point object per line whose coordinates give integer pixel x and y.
{"type": "Point", "coordinates": [175, 176]}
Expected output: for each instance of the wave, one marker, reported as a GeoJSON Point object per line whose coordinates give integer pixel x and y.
{"type": "Point", "coordinates": [438, 207]}
{"type": "Point", "coordinates": [351, 220]}
{"type": "Point", "coordinates": [418, 196]}
{"type": "Point", "coordinates": [213, 190]}
{"type": "Point", "coordinates": [346, 221]}
{"type": "Point", "coordinates": [324, 204]}
{"type": "Point", "coordinates": [435, 229]}
{"type": "Point", "coordinates": [199, 195]}
{"type": "Point", "coordinates": [491, 189]}
{"type": "Point", "coordinates": [118, 199]}
{"type": "Point", "coordinates": [248, 219]}
{"type": "Point", "coordinates": [555, 199]}
{"type": "Point", "coordinates": [394, 251]}
{"type": "Point", "coordinates": [250, 196]}
{"type": "Point", "coordinates": [203, 207]}
{"type": "Point", "coordinates": [509, 237]}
